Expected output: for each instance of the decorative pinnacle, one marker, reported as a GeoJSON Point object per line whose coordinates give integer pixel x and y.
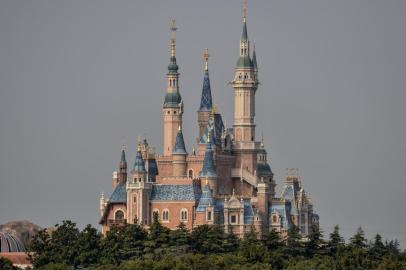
{"type": "Point", "coordinates": [244, 11]}
{"type": "Point", "coordinates": [208, 136]}
{"type": "Point", "coordinates": [173, 45]}
{"type": "Point", "coordinates": [179, 128]}
{"type": "Point", "coordinates": [207, 181]}
{"type": "Point", "coordinates": [206, 59]}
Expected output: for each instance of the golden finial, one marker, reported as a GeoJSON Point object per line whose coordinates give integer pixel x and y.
{"type": "Point", "coordinates": [179, 128]}
{"type": "Point", "coordinates": [207, 181]}
{"type": "Point", "coordinates": [173, 29]}
{"type": "Point", "coordinates": [244, 12]}
{"type": "Point", "coordinates": [215, 108]}
{"type": "Point", "coordinates": [262, 139]}
{"type": "Point", "coordinates": [208, 136]}
{"type": "Point", "coordinates": [206, 59]}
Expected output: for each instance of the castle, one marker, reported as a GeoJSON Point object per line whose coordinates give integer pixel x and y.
{"type": "Point", "coordinates": [227, 181]}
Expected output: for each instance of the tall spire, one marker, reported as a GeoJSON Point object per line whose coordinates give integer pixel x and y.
{"type": "Point", "coordinates": [206, 102]}
{"type": "Point", "coordinates": [123, 160]}
{"type": "Point", "coordinates": [139, 165]}
{"type": "Point", "coordinates": [173, 67]}
{"type": "Point", "coordinates": [244, 60]}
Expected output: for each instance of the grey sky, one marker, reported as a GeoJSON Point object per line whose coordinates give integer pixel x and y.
{"type": "Point", "coordinates": [79, 77]}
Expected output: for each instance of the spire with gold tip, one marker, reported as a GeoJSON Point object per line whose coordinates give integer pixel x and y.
{"type": "Point", "coordinates": [206, 102]}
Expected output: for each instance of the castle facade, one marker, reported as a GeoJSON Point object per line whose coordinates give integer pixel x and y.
{"type": "Point", "coordinates": [227, 181]}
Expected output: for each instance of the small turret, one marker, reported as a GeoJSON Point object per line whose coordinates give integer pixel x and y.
{"type": "Point", "coordinates": [102, 204]}
{"type": "Point", "coordinates": [139, 173]}
{"type": "Point", "coordinates": [209, 169]}
{"type": "Point", "coordinates": [179, 155]}
{"type": "Point", "coordinates": [123, 168]}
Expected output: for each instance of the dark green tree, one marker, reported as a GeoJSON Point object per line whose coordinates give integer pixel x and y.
{"type": "Point", "coordinates": [335, 241]}
{"type": "Point", "coordinates": [251, 248]}
{"type": "Point", "coordinates": [6, 264]}
{"type": "Point", "coordinates": [358, 240]}
{"type": "Point", "coordinates": [180, 239]}
{"type": "Point", "coordinates": [378, 249]}
{"type": "Point", "coordinates": [294, 244]}
{"type": "Point", "coordinates": [315, 243]}
{"type": "Point", "coordinates": [208, 239]}
{"type": "Point", "coordinates": [273, 240]}
{"type": "Point", "coordinates": [88, 247]}
{"type": "Point", "coordinates": [158, 238]}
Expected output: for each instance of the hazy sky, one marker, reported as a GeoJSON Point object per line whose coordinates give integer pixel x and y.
{"type": "Point", "coordinates": [78, 78]}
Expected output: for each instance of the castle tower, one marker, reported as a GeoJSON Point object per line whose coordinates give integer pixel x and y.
{"type": "Point", "coordinates": [263, 203]}
{"type": "Point", "coordinates": [209, 169]}
{"type": "Point", "coordinates": [138, 192]}
{"type": "Point", "coordinates": [179, 155]}
{"type": "Point", "coordinates": [206, 102]}
{"type": "Point", "coordinates": [264, 170]}
{"type": "Point", "coordinates": [245, 85]}
{"type": "Point", "coordinates": [173, 104]}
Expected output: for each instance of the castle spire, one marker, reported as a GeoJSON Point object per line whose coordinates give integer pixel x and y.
{"type": "Point", "coordinates": [244, 60]}
{"type": "Point", "coordinates": [209, 170]}
{"type": "Point", "coordinates": [173, 67]}
{"type": "Point", "coordinates": [206, 102]}
{"type": "Point", "coordinates": [180, 143]}
{"type": "Point", "coordinates": [139, 165]}
{"type": "Point", "coordinates": [173, 104]}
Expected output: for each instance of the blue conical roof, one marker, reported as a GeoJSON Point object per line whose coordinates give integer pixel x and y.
{"type": "Point", "coordinates": [205, 200]}
{"type": "Point", "coordinates": [206, 102]}
{"type": "Point", "coordinates": [254, 60]}
{"type": "Point", "coordinates": [244, 35]}
{"type": "Point", "coordinates": [209, 170]}
{"type": "Point", "coordinates": [139, 165]}
{"type": "Point", "coordinates": [179, 144]}
{"type": "Point", "coordinates": [123, 160]}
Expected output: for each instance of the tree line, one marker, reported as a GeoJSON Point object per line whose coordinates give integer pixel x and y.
{"type": "Point", "coordinates": [132, 247]}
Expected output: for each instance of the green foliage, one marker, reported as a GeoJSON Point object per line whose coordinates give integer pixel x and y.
{"type": "Point", "coordinates": [6, 264]}
{"type": "Point", "coordinates": [131, 247]}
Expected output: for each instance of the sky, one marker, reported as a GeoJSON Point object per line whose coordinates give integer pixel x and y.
{"type": "Point", "coordinates": [80, 78]}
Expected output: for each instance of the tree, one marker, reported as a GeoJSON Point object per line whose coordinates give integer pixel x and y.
{"type": "Point", "coordinates": [314, 243]}
{"type": "Point", "coordinates": [158, 238]}
{"type": "Point", "coordinates": [378, 249]}
{"type": "Point", "coordinates": [293, 243]}
{"type": "Point", "coordinates": [335, 241]}
{"type": "Point", "coordinates": [358, 240]}
{"type": "Point", "coordinates": [180, 239]}
{"type": "Point", "coordinates": [89, 247]}
{"type": "Point", "coordinates": [6, 264]}
{"type": "Point", "coordinates": [251, 248]}
{"type": "Point", "coordinates": [208, 239]}
{"type": "Point", "coordinates": [273, 240]}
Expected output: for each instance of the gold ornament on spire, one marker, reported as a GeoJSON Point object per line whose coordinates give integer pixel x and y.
{"type": "Point", "coordinates": [206, 59]}
{"type": "Point", "coordinates": [244, 11]}
{"type": "Point", "coordinates": [179, 128]}
{"type": "Point", "coordinates": [207, 181]}
{"type": "Point", "coordinates": [173, 45]}
{"type": "Point", "coordinates": [208, 136]}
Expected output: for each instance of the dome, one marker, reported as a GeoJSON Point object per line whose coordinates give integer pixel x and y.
{"type": "Point", "coordinates": [10, 243]}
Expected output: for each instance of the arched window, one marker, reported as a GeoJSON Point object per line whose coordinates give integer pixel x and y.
{"type": "Point", "coordinates": [183, 214]}
{"type": "Point", "coordinates": [165, 215]}
{"type": "Point", "coordinates": [274, 219]}
{"type": "Point", "coordinates": [135, 199]}
{"type": "Point", "coordinates": [119, 215]}
{"type": "Point", "coordinates": [209, 217]}
{"type": "Point", "coordinates": [190, 173]}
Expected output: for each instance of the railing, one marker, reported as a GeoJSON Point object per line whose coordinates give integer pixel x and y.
{"type": "Point", "coordinates": [116, 222]}
{"type": "Point", "coordinates": [245, 175]}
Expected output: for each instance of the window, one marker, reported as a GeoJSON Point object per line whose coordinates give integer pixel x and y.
{"type": "Point", "coordinates": [274, 219]}
{"type": "Point", "coordinates": [183, 214]}
{"type": "Point", "coordinates": [233, 219]}
{"type": "Point", "coordinates": [135, 199]}
{"type": "Point", "coordinates": [119, 215]}
{"type": "Point", "coordinates": [190, 173]}
{"type": "Point", "coordinates": [209, 216]}
{"type": "Point", "coordinates": [165, 215]}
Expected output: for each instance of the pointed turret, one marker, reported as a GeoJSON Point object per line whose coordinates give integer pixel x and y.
{"type": "Point", "coordinates": [244, 61]}
{"type": "Point", "coordinates": [122, 177]}
{"type": "Point", "coordinates": [254, 60]}
{"type": "Point", "coordinates": [173, 104]}
{"type": "Point", "coordinates": [179, 144]}
{"type": "Point", "coordinates": [206, 101]}
{"type": "Point", "coordinates": [139, 165]}
{"type": "Point", "coordinates": [209, 169]}
{"type": "Point", "coordinates": [179, 155]}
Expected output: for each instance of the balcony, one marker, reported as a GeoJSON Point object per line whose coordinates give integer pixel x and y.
{"type": "Point", "coordinates": [116, 222]}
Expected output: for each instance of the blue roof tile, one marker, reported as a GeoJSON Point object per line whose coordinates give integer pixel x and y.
{"type": "Point", "coordinates": [189, 192]}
